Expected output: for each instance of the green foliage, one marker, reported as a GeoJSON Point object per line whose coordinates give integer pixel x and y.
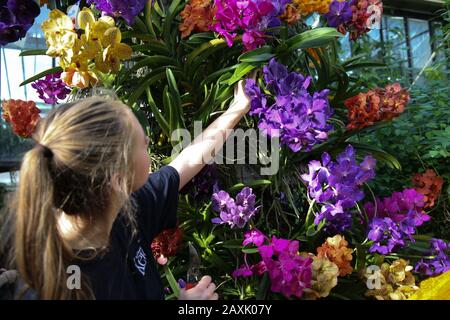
{"type": "Point", "coordinates": [420, 137]}
{"type": "Point", "coordinates": [171, 82]}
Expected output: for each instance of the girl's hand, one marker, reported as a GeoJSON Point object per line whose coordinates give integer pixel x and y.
{"type": "Point", "coordinates": [204, 290]}
{"type": "Point", "coordinates": [241, 100]}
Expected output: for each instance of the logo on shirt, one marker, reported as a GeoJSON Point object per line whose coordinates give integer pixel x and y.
{"type": "Point", "coordinates": [140, 261]}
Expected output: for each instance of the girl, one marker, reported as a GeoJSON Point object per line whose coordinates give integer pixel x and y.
{"type": "Point", "coordinates": [86, 201]}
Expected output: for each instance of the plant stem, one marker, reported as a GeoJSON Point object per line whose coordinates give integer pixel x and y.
{"type": "Point", "coordinates": [309, 215]}
{"type": "Point", "coordinates": [172, 282]}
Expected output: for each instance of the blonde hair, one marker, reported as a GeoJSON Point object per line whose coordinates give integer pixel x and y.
{"type": "Point", "coordinates": [81, 147]}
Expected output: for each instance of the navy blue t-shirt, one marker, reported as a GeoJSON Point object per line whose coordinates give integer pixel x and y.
{"type": "Point", "coordinates": [127, 269]}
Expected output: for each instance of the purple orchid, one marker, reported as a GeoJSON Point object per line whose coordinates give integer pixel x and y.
{"type": "Point", "coordinates": [235, 213]}
{"type": "Point", "coordinates": [386, 235]}
{"type": "Point", "coordinates": [51, 88]}
{"type": "Point", "coordinates": [16, 18]}
{"type": "Point", "coordinates": [340, 13]}
{"type": "Point", "coordinates": [119, 8]}
{"type": "Point", "coordinates": [289, 273]}
{"type": "Point", "coordinates": [404, 209]}
{"type": "Point", "coordinates": [337, 187]}
{"type": "Point", "coordinates": [440, 263]}
{"type": "Point", "coordinates": [254, 236]}
{"type": "Point", "coordinates": [296, 116]}
{"type": "Point", "coordinates": [252, 17]}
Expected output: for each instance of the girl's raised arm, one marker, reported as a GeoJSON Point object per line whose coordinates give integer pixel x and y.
{"type": "Point", "coordinates": [200, 151]}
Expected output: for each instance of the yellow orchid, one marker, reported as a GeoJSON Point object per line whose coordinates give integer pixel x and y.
{"type": "Point", "coordinates": [102, 41]}
{"type": "Point", "coordinates": [86, 21]}
{"type": "Point", "coordinates": [396, 282]}
{"type": "Point", "coordinates": [324, 278]}
{"type": "Point", "coordinates": [114, 52]}
{"type": "Point", "coordinates": [94, 31]}
{"type": "Point", "coordinates": [60, 36]}
{"type": "Point", "coordinates": [79, 75]}
{"type": "Point", "coordinates": [99, 48]}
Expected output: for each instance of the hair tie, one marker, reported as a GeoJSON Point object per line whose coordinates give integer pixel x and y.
{"type": "Point", "coordinates": [48, 153]}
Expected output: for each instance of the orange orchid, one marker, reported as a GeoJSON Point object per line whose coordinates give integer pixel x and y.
{"type": "Point", "coordinates": [298, 8]}
{"type": "Point", "coordinates": [197, 15]}
{"type": "Point", "coordinates": [430, 185]}
{"type": "Point", "coordinates": [336, 250]}
{"type": "Point", "coordinates": [376, 105]}
{"type": "Point", "coordinates": [291, 15]}
{"type": "Point", "coordinates": [22, 115]}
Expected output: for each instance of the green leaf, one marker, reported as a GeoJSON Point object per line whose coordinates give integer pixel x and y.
{"type": "Point", "coordinates": [205, 47]}
{"type": "Point", "coordinates": [148, 17]}
{"type": "Point", "coordinates": [199, 38]}
{"type": "Point", "coordinates": [290, 198]}
{"type": "Point", "coordinates": [169, 19]}
{"type": "Point", "coordinates": [160, 11]}
{"type": "Point", "coordinates": [176, 120]}
{"type": "Point", "coordinates": [157, 113]}
{"type": "Point", "coordinates": [232, 244]}
{"type": "Point", "coordinates": [250, 250]}
{"type": "Point", "coordinates": [241, 70]}
{"type": "Point", "coordinates": [41, 75]}
{"type": "Point", "coordinates": [139, 25]}
{"type": "Point", "coordinates": [263, 287]}
{"type": "Point", "coordinates": [209, 239]}
{"type": "Point", "coordinates": [312, 38]}
{"type": "Point", "coordinates": [252, 183]}
{"type": "Point", "coordinates": [353, 59]}
{"type": "Point", "coordinates": [314, 230]}
{"type": "Point", "coordinates": [154, 47]}
{"type": "Point", "coordinates": [156, 61]}
{"type": "Point", "coordinates": [34, 52]}
{"type": "Point", "coordinates": [227, 93]}
{"type": "Point", "coordinates": [141, 116]}
{"type": "Point", "coordinates": [151, 78]}
{"type": "Point", "coordinates": [200, 55]}
{"type": "Point", "coordinates": [217, 74]}
{"type": "Point", "coordinates": [171, 279]}
{"type": "Point", "coordinates": [262, 54]}
{"type": "Point", "coordinates": [365, 65]}
{"type": "Point", "coordinates": [167, 102]}
{"type": "Point", "coordinates": [379, 154]}
{"type": "Point", "coordinates": [138, 35]}
{"type": "Point", "coordinates": [205, 109]}
{"type": "Point", "coordinates": [151, 62]}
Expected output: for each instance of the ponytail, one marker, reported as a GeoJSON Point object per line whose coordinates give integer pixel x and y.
{"type": "Point", "coordinates": [82, 147]}
{"type": "Point", "coordinates": [39, 250]}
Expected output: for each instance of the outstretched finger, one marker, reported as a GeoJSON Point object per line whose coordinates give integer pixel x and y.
{"type": "Point", "coordinates": [204, 282]}
{"type": "Point", "coordinates": [215, 296]}
{"type": "Point", "coordinates": [211, 288]}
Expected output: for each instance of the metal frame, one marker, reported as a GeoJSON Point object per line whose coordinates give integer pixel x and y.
{"type": "Point", "coordinates": [426, 10]}
{"type": "Point", "coordinates": [419, 9]}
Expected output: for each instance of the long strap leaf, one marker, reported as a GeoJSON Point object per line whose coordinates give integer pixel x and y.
{"type": "Point", "coordinates": [41, 75]}
{"type": "Point", "coordinates": [157, 113]}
